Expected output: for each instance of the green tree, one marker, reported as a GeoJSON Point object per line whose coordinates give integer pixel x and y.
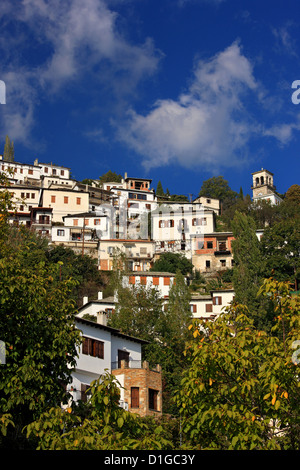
{"type": "Point", "coordinates": [248, 271]}
{"type": "Point", "coordinates": [172, 262]}
{"type": "Point", "coordinates": [159, 190]}
{"type": "Point", "coordinates": [110, 176]}
{"type": "Point", "coordinates": [174, 333]}
{"type": "Point", "coordinates": [240, 390]}
{"type": "Point", "coordinates": [293, 194]}
{"type": "Point", "coordinates": [281, 250]}
{"type": "Point", "coordinates": [104, 425]}
{"type": "Point", "coordinates": [82, 268]}
{"type": "Point", "coordinates": [37, 328]}
{"type": "Point", "coordinates": [218, 188]}
{"type": "Point", "coordinates": [8, 152]}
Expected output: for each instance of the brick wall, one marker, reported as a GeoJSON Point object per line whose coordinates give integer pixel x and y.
{"type": "Point", "coordinates": [145, 379]}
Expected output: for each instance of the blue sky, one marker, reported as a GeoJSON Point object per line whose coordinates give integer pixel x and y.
{"type": "Point", "coordinates": [173, 90]}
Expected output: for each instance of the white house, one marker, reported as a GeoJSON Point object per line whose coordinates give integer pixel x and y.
{"type": "Point", "coordinates": [160, 280]}
{"type": "Point", "coordinates": [210, 306]}
{"type": "Point", "coordinates": [102, 348]}
{"type": "Point", "coordinates": [174, 225]}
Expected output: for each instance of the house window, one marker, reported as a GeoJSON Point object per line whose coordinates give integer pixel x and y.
{"type": "Point", "coordinates": [217, 300]}
{"type": "Point", "coordinates": [30, 172]}
{"type": "Point", "coordinates": [223, 262]}
{"type": "Point", "coordinates": [156, 281]}
{"type": "Point", "coordinates": [207, 263]}
{"type": "Point", "coordinates": [194, 308]}
{"type": "Point", "coordinates": [66, 199]}
{"type": "Point", "coordinates": [208, 308]}
{"type": "Point", "coordinates": [53, 198]}
{"type": "Point", "coordinates": [86, 221]}
{"type": "Point", "coordinates": [62, 172]}
{"type": "Point", "coordinates": [96, 221]}
{"type": "Point", "coordinates": [60, 233]}
{"type": "Point", "coordinates": [148, 206]}
{"type": "Point", "coordinates": [166, 281]}
{"type": "Point", "coordinates": [131, 279]}
{"type": "Point", "coordinates": [78, 201]}
{"type": "Point", "coordinates": [75, 222]}
{"type": "Point", "coordinates": [209, 245]}
{"type": "Point", "coordinates": [93, 347]}
{"type": "Point", "coordinates": [27, 195]}
{"type": "Point", "coordinates": [135, 397]}
{"type": "Point", "coordinates": [53, 171]}
{"type": "Point", "coordinates": [122, 356]}
{"type": "Point", "coordinates": [143, 281]}
{"type": "Point", "coordinates": [32, 196]}
{"type": "Point", "coordinates": [23, 195]}
{"type": "Point", "coordinates": [153, 395]}
{"type": "Point", "coordinates": [46, 169]}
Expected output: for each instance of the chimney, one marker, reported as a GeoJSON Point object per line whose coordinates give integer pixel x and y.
{"type": "Point", "coordinates": [102, 318]}
{"type": "Point", "coordinates": [36, 162]}
{"type": "Point", "coordinates": [85, 300]}
{"type": "Point", "coordinates": [100, 295]}
{"type": "Point", "coordinates": [125, 176]}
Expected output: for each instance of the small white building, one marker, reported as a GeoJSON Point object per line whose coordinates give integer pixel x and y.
{"type": "Point", "coordinates": [103, 348]}
{"type": "Point", "coordinates": [163, 281]}
{"type": "Point", "coordinates": [210, 306]}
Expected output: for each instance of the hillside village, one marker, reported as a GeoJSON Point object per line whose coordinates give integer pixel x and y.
{"type": "Point", "coordinates": [127, 217]}
{"type": "Point", "coordinates": [101, 220]}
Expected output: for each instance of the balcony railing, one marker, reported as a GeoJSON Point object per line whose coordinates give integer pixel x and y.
{"type": "Point", "coordinates": [128, 365]}
{"type": "Point", "coordinates": [134, 365]}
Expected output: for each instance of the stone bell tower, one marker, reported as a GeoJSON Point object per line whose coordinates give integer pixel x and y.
{"type": "Point", "coordinates": [263, 187]}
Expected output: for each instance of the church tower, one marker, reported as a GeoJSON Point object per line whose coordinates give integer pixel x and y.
{"type": "Point", "coordinates": [263, 187]}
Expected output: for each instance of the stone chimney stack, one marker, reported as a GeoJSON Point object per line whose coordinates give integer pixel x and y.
{"type": "Point", "coordinates": [102, 318]}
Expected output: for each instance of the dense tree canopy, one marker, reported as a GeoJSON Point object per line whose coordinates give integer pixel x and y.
{"type": "Point", "coordinates": [172, 262]}
{"type": "Point", "coordinates": [218, 188]}
{"type": "Point", "coordinates": [240, 390]}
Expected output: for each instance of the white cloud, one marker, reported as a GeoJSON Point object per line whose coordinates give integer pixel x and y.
{"type": "Point", "coordinates": [80, 38]}
{"type": "Point", "coordinates": [283, 133]}
{"type": "Point", "coordinates": [85, 34]}
{"type": "Point", "coordinates": [206, 126]}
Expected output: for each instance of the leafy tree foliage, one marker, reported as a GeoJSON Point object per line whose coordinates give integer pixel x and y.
{"type": "Point", "coordinates": [241, 388]}
{"type": "Point", "coordinates": [172, 262]}
{"type": "Point", "coordinates": [174, 332]}
{"type": "Point", "coordinates": [82, 268]}
{"type": "Point", "coordinates": [110, 176]}
{"type": "Point", "coordinates": [8, 152]}
{"type": "Point", "coordinates": [248, 271]}
{"type": "Point", "coordinates": [37, 328]}
{"type": "Point", "coordinates": [218, 188]}
{"type": "Point", "coordinates": [293, 194]}
{"type": "Point", "coordinates": [159, 189]}
{"type": "Point", "coordinates": [105, 425]}
{"type": "Point", "coordinates": [281, 249]}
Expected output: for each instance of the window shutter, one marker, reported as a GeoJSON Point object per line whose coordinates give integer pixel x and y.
{"type": "Point", "coordinates": [194, 308]}
{"type": "Point", "coordinates": [85, 346]}
{"type": "Point", "coordinates": [135, 399]}
{"type": "Point", "coordinates": [208, 308]}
